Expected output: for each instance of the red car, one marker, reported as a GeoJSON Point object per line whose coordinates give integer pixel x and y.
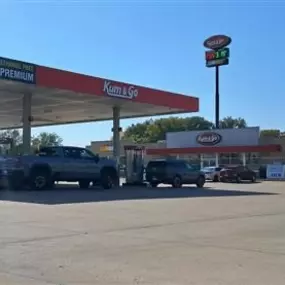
{"type": "Point", "coordinates": [237, 174]}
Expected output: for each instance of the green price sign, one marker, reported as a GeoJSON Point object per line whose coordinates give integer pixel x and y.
{"type": "Point", "coordinates": [219, 54]}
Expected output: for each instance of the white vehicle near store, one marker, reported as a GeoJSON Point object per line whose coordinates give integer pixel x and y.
{"type": "Point", "coordinates": [212, 173]}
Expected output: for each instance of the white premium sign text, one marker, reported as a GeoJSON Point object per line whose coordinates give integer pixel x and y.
{"type": "Point", "coordinates": [17, 71]}
{"type": "Point", "coordinates": [16, 75]}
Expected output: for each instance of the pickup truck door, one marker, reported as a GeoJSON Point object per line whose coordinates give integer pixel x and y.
{"type": "Point", "coordinates": [90, 167]}
{"type": "Point", "coordinates": [82, 164]}
{"type": "Point", "coordinates": [72, 169]}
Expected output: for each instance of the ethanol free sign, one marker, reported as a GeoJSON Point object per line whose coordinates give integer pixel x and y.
{"type": "Point", "coordinates": [17, 71]}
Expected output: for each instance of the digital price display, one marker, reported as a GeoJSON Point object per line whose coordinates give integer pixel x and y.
{"type": "Point", "coordinates": [216, 55]}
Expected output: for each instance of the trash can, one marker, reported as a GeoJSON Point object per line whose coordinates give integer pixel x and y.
{"type": "Point", "coordinates": [134, 169]}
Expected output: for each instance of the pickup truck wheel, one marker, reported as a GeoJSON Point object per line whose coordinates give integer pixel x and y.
{"type": "Point", "coordinates": [39, 179]}
{"type": "Point", "coordinates": [200, 182]}
{"type": "Point", "coordinates": [84, 184]}
{"type": "Point", "coordinates": [108, 178]}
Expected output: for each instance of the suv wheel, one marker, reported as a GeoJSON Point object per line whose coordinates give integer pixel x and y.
{"type": "Point", "coordinates": [200, 182]}
{"type": "Point", "coordinates": [177, 182]}
{"type": "Point", "coordinates": [40, 179]}
{"type": "Point", "coordinates": [253, 179]}
{"type": "Point", "coordinates": [84, 184]}
{"type": "Point", "coordinates": [108, 178]}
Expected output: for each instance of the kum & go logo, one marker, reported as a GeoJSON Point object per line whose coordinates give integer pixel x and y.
{"type": "Point", "coordinates": [126, 92]}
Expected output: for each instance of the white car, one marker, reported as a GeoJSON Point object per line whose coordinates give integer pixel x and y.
{"type": "Point", "coordinates": [212, 173]}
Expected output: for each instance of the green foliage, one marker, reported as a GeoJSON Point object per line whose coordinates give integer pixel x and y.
{"type": "Point", "coordinates": [231, 123]}
{"type": "Point", "coordinates": [15, 135]}
{"type": "Point", "coordinates": [46, 139]}
{"type": "Point", "coordinates": [16, 147]}
{"type": "Point", "coordinates": [154, 130]}
{"type": "Point", "coordinates": [270, 133]}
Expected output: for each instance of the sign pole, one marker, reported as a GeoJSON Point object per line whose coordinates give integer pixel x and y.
{"type": "Point", "coordinates": [217, 55]}
{"type": "Point", "coordinates": [217, 98]}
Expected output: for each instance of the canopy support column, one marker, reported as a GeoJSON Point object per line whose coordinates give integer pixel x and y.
{"type": "Point", "coordinates": [27, 118]}
{"type": "Point", "coordinates": [243, 159]}
{"type": "Point", "coordinates": [116, 138]}
{"type": "Point", "coordinates": [217, 159]}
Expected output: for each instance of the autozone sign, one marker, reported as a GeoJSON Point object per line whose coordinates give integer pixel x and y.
{"type": "Point", "coordinates": [209, 138]}
{"type": "Point", "coordinates": [114, 90]}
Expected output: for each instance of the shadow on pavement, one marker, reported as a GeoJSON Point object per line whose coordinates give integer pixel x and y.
{"type": "Point", "coordinates": [71, 194]}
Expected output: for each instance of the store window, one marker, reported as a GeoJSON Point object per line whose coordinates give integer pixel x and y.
{"type": "Point", "coordinates": [252, 158]}
{"type": "Point", "coordinates": [230, 159]}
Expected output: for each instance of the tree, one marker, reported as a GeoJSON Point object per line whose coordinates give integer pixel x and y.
{"type": "Point", "coordinates": [11, 141]}
{"type": "Point", "coordinates": [15, 135]}
{"type": "Point", "coordinates": [231, 123]}
{"type": "Point", "coordinates": [16, 147]}
{"type": "Point", "coordinates": [155, 130]}
{"type": "Point", "coordinates": [46, 139]}
{"type": "Point", "coordinates": [270, 133]}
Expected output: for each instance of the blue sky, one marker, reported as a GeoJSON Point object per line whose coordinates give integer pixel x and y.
{"type": "Point", "coordinates": [157, 44]}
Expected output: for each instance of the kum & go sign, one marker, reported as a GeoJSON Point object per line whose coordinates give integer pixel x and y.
{"type": "Point", "coordinates": [120, 91]}
{"type": "Point", "coordinates": [17, 71]}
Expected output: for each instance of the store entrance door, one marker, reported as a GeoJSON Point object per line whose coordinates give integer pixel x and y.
{"type": "Point", "coordinates": [208, 160]}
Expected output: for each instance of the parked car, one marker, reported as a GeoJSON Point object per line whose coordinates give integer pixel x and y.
{"type": "Point", "coordinates": [62, 163]}
{"type": "Point", "coordinates": [212, 173]}
{"type": "Point", "coordinates": [174, 172]}
{"type": "Point", "coordinates": [237, 174]}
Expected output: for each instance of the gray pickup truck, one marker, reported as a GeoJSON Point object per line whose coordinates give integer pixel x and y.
{"type": "Point", "coordinates": [62, 163]}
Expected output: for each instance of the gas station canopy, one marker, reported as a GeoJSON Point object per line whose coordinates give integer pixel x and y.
{"type": "Point", "coordinates": [61, 97]}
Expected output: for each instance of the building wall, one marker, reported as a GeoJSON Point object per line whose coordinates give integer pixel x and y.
{"type": "Point", "coordinates": [277, 156]}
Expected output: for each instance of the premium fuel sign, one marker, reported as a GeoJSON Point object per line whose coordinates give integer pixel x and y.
{"type": "Point", "coordinates": [17, 71]}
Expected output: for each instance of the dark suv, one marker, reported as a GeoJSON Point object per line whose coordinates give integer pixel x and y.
{"type": "Point", "coordinates": [174, 172]}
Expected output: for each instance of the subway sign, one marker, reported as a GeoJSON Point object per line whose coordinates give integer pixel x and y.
{"type": "Point", "coordinates": [17, 71]}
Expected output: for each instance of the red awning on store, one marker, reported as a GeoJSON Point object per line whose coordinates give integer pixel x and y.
{"type": "Point", "coordinates": [215, 149]}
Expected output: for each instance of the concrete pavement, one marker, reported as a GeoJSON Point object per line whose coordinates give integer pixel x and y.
{"type": "Point", "coordinates": [225, 234]}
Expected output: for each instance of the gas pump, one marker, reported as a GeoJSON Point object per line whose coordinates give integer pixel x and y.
{"type": "Point", "coordinates": [134, 170]}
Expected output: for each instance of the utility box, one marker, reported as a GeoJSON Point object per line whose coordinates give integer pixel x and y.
{"type": "Point", "coordinates": [134, 165]}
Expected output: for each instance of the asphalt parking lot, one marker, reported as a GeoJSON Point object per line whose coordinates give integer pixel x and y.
{"type": "Point", "coordinates": [230, 234]}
